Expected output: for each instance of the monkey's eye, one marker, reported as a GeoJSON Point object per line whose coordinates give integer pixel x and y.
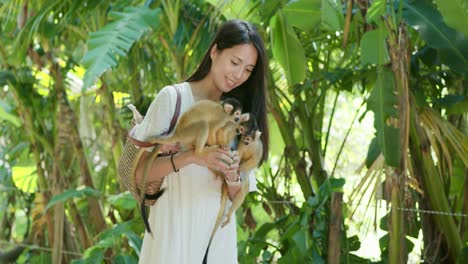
{"type": "Point", "coordinates": [241, 129]}
{"type": "Point", "coordinates": [237, 113]}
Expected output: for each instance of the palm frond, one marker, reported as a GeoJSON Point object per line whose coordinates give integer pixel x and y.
{"type": "Point", "coordinates": [446, 135]}
{"type": "Point", "coordinates": [115, 39]}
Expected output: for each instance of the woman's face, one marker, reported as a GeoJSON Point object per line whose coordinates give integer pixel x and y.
{"type": "Point", "coordinates": [232, 66]}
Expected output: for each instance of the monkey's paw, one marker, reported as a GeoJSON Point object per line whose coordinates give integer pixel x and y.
{"type": "Point", "coordinates": [170, 148]}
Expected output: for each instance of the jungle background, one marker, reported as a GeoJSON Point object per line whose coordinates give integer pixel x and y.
{"type": "Point", "coordinates": [367, 103]}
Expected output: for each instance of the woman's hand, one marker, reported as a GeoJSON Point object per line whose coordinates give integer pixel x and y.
{"type": "Point", "coordinates": [215, 158]}
{"type": "Point", "coordinates": [231, 173]}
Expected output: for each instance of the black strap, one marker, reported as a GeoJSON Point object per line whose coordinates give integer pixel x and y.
{"type": "Point", "coordinates": [174, 119]}
{"type": "Point", "coordinates": [176, 112]}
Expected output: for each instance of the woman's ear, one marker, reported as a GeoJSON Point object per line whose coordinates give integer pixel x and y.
{"type": "Point", "coordinates": [213, 51]}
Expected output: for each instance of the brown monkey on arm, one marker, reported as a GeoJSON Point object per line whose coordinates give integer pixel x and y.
{"type": "Point", "coordinates": [250, 151]}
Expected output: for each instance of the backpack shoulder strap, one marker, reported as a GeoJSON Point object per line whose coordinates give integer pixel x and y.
{"type": "Point", "coordinates": [177, 110]}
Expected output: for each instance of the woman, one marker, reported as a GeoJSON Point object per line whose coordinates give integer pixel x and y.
{"type": "Point", "coordinates": [183, 218]}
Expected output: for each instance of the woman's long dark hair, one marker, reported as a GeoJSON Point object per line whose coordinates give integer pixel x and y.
{"type": "Point", "coordinates": [252, 93]}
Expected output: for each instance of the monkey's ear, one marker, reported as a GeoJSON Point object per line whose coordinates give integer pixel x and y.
{"type": "Point", "coordinates": [257, 134]}
{"type": "Point", "coordinates": [228, 108]}
{"type": "Point", "coordinates": [245, 117]}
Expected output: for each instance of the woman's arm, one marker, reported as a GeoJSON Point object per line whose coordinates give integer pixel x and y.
{"type": "Point", "coordinates": [161, 166]}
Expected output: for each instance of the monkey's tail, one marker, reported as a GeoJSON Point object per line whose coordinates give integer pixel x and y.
{"type": "Point", "coordinates": [224, 197]}
{"type": "Point", "coordinates": [143, 207]}
{"type": "Point", "coordinates": [162, 140]}
{"type": "Point", "coordinates": [143, 195]}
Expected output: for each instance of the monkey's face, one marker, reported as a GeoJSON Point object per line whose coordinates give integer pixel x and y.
{"type": "Point", "coordinates": [248, 129]}
{"type": "Point", "coordinates": [233, 107]}
{"type": "Point", "coordinates": [231, 104]}
{"type": "Point", "coordinates": [246, 126]}
{"type": "Point", "coordinates": [246, 139]}
{"type": "Point", "coordinates": [237, 116]}
{"type": "Point", "coordinates": [243, 127]}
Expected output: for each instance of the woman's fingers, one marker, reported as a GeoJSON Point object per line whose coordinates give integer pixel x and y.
{"type": "Point", "coordinates": [219, 159]}
{"type": "Point", "coordinates": [230, 174]}
{"type": "Point", "coordinates": [221, 155]}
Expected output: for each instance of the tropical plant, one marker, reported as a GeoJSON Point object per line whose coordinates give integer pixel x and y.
{"type": "Point", "coordinates": [406, 60]}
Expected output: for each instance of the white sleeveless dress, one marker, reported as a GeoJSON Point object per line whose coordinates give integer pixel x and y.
{"type": "Point", "coordinates": [183, 218]}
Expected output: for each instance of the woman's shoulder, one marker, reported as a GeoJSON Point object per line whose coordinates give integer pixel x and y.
{"type": "Point", "coordinates": [170, 91]}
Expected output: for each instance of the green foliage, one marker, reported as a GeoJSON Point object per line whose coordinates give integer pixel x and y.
{"type": "Point", "coordinates": [376, 10]}
{"type": "Point", "coordinates": [455, 13]}
{"type": "Point", "coordinates": [124, 200]}
{"type": "Point", "coordinates": [113, 238]}
{"type": "Point", "coordinates": [374, 47]}
{"type": "Point", "coordinates": [454, 104]}
{"type": "Point", "coordinates": [6, 115]}
{"type": "Point", "coordinates": [382, 102]}
{"type": "Point", "coordinates": [332, 16]}
{"type": "Point", "coordinates": [69, 194]}
{"type": "Point", "coordinates": [237, 9]}
{"type": "Point", "coordinates": [287, 49]}
{"type": "Point", "coordinates": [25, 178]}
{"type": "Point", "coordinates": [116, 39]}
{"type": "Point", "coordinates": [372, 152]}
{"type": "Point", "coordinates": [29, 257]}
{"type": "Point", "coordinates": [303, 235]}
{"type": "Point", "coordinates": [452, 45]}
{"type": "Point", "coordinates": [309, 65]}
{"type": "Point", "coordinates": [303, 14]}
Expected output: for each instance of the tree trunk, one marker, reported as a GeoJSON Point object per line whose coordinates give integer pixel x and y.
{"type": "Point", "coordinates": [397, 245]}
{"type": "Point", "coordinates": [67, 118]}
{"type": "Point", "coordinates": [396, 177]}
{"type": "Point", "coordinates": [334, 235]}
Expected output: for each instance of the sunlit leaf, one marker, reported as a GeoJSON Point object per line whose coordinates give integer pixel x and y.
{"type": "Point", "coordinates": [374, 47]}
{"type": "Point", "coordinates": [115, 39]}
{"type": "Point", "coordinates": [237, 9]}
{"type": "Point", "coordinates": [303, 14]}
{"type": "Point", "coordinates": [287, 49]}
{"type": "Point", "coordinates": [332, 15]}
{"type": "Point", "coordinates": [276, 149]}
{"type": "Point", "coordinates": [69, 194]}
{"type": "Point", "coordinates": [25, 178]}
{"type": "Point", "coordinates": [455, 13]}
{"type": "Point", "coordinates": [376, 10]}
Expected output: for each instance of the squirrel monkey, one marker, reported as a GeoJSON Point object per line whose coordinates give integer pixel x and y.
{"type": "Point", "coordinates": [194, 127]}
{"type": "Point", "coordinates": [227, 133]}
{"type": "Point", "coordinates": [250, 151]}
{"type": "Point", "coordinates": [223, 138]}
{"type": "Point", "coordinates": [202, 121]}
